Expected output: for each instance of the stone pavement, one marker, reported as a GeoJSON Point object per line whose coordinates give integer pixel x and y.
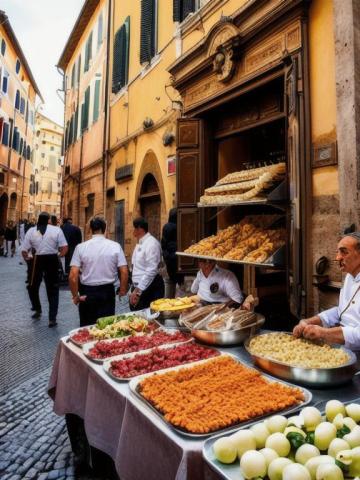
{"type": "Point", "coordinates": [33, 440]}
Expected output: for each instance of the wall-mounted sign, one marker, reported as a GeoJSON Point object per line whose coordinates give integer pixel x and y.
{"type": "Point", "coordinates": [324, 155]}
{"type": "Point", "coordinates": [171, 165]}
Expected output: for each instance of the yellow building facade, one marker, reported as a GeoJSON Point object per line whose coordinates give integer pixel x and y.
{"type": "Point", "coordinates": [48, 166]}
{"type": "Point", "coordinates": [18, 91]}
{"type": "Point", "coordinates": [287, 45]}
{"type": "Point", "coordinates": [84, 63]}
{"type": "Point", "coordinates": [193, 87]}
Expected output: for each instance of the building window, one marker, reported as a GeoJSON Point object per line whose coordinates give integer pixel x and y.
{"type": "Point", "coordinates": [16, 140]}
{"type": "Point", "coordinates": [78, 70]}
{"type": "Point", "coordinates": [17, 100]}
{"type": "Point", "coordinates": [148, 36]}
{"type": "Point", "coordinates": [5, 134]}
{"type": "Point", "coordinates": [3, 47]}
{"type": "Point", "coordinates": [88, 53]}
{"type": "Point", "coordinates": [182, 8]}
{"type": "Point", "coordinates": [17, 66]}
{"type": "Point", "coordinates": [100, 31]}
{"type": "Point", "coordinates": [5, 82]}
{"type": "Point", "coordinates": [85, 110]}
{"type": "Point", "coordinates": [52, 149]}
{"type": "Point", "coordinates": [21, 146]}
{"type": "Point", "coordinates": [96, 100]}
{"type": "Point", "coordinates": [22, 105]}
{"type": "Point", "coordinates": [28, 152]}
{"type": "Point", "coordinates": [121, 57]}
{"type": "Point", "coordinates": [73, 76]}
{"type": "Point", "coordinates": [43, 155]}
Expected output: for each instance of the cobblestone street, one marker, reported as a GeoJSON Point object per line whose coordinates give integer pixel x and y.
{"type": "Point", "coordinates": [33, 440]}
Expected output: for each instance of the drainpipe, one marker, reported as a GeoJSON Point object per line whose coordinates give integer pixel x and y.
{"type": "Point", "coordinates": [62, 73]}
{"type": "Point", "coordinates": [106, 134]}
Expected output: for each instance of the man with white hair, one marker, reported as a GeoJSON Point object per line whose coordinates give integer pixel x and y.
{"type": "Point", "coordinates": [340, 324]}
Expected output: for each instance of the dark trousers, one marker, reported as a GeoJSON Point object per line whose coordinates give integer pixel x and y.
{"type": "Point", "coordinates": [99, 302]}
{"type": "Point", "coordinates": [155, 290]}
{"type": "Point", "coordinates": [45, 266]}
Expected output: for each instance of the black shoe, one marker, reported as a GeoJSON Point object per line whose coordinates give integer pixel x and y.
{"type": "Point", "coordinates": [33, 309]}
{"type": "Point", "coordinates": [52, 323]}
{"type": "Point", "coordinates": [37, 314]}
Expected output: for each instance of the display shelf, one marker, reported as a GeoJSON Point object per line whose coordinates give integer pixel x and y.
{"type": "Point", "coordinates": [275, 198]}
{"type": "Point", "coordinates": [276, 260]}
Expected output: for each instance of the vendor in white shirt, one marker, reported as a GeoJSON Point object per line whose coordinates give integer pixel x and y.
{"type": "Point", "coordinates": [340, 324]}
{"type": "Point", "coordinates": [214, 284]}
{"type": "Point", "coordinates": [147, 283]}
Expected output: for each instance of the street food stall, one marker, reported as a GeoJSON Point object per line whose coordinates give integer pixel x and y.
{"type": "Point", "coordinates": [155, 400]}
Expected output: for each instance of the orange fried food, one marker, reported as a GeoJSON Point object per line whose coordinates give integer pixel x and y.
{"type": "Point", "coordinates": [215, 395]}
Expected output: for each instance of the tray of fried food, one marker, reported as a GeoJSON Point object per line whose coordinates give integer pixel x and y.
{"type": "Point", "coordinates": [189, 319]}
{"type": "Point", "coordinates": [174, 304]}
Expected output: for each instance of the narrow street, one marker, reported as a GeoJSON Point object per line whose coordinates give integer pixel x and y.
{"type": "Point", "coordinates": [33, 440]}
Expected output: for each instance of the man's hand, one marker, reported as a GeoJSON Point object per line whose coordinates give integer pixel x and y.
{"type": "Point", "coordinates": [299, 328]}
{"type": "Point", "coordinates": [246, 306]}
{"type": "Point", "coordinates": [122, 292]}
{"type": "Point", "coordinates": [76, 300]}
{"type": "Point", "coordinates": [314, 332]}
{"type": "Point", "coordinates": [133, 298]}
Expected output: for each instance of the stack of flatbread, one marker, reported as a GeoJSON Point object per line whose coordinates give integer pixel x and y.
{"type": "Point", "coordinates": [244, 185]}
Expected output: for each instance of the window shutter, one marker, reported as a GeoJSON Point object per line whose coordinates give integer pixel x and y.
{"type": "Point", "coordinates": [73, 76]}
{"type": "Point", "coordinates": [147, 36]}
{"type": "Point", "coordinates": [21, 146]}
{"type": "Point", "coordinates": [22, 105]}
{"type": "Point", "coordinates": [177, 10]}
{"type": "Point", "coordinates": [76, 123]}
{"type": "Point", "coordinates": [24, 150]}
{"type": "Point", "coordinates": [88, 53]}
{"type": "Point", "coordinates": [1, 126]}
{"type": "Point", "coordinates": [100, 31]}
{"type": "Point", "coordinates": [126, 51]}
{"type": "Point", "coordinates": [5, 134]}
{"type": "Point", "coordinates": [188, 6]}
{"type": "Point", "coordinates": [28, 152]}
{"type": "Point", "coordinates": [96, 100]}
{"type": "Point", "coordinates": [5, 83]}
{"type": "Point", "coordinates": [14, 140]}
{"type": "Point", "coordinates": [116, 74]}
{"type": "Point", "coordinates": [17, 100]}
{"type": "Point", "coordinates": [79, 69]}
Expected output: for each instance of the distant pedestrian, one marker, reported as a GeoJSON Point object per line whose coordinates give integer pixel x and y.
{"type": "Point", "coordinates": [147, 283]}
{"type": "Point", "coordinates": [73, 237]}
{"type": "Point", "coordinates": [95, 266]}
{"type": "Point", "coordinates": [54, 220]}
{"type": "Point", "coordinates": [169, 247]}
{"type": "Point", "coordinates": [48, 242]}
{"type": "Point", "coordinates": [10, 238]}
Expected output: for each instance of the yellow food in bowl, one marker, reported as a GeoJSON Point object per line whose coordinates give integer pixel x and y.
{"type": "Point", "coordinates": [171, 304]}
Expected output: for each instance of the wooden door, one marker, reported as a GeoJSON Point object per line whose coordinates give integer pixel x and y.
{"type": "Point", "coordinates": [189, 183]}
{"type": "Point", "coordinates": [151, 210]}
{"type": "Point", "coordinates": [297, 223]}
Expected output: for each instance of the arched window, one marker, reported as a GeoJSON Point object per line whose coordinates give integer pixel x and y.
{"type": "Point", "coordinates": [17, 66]}
{"type": "Point", "coordinates": [17, 100]}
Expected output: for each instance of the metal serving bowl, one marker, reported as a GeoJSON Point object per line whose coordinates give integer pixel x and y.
{"type": "Point", "coordinates": [229, 337]}
{"type": "Point", "coordinates": [312, 377]}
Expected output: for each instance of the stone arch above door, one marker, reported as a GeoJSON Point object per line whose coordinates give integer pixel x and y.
{"type": "Point", "coordinates": [150, 168]}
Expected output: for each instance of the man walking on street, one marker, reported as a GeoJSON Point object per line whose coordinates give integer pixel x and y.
{"type": "Point", "coordinates": [73, 237]}
{"type": "Point", "coordinates": [48, 242]}
{"type": "Point", "coordinates": [95, 265]}
{"type": "Point", "coordinates": [147, 283]}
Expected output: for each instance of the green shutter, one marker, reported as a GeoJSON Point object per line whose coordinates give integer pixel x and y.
{"type": "Point", "coordinates": [76, 123]}
{"type": "Point", "coordinates": [148, 33]}
{"type": "Point", "coordinates": [88, 53]}
{"type": "Point", "coordinates": [79, 69]}
{"type": "Point", "coordinates": [85, 110]}
{"type": "Point", "coordinates": [121, 57]}
{"type": "Point", "coordinates": [73, 76]}
{"type": "Point", "coordinates": [177, 10]}
{"type": "Point", "coordinates": [188, 6]}
{"type": "Point", "coordinates": [96, 100]}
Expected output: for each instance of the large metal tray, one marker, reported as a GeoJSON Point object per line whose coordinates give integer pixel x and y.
{"type": "Point", "coordinates": [88, 346]}
{"type": "Point", "coordinates": [312, 377]}
{"type": "Point", "coordinates": [134, 388]}
{"type": "Point", "coordinates": [107, 363]}
{"type": "Point", "coordinates": [150, 319]}
{"type": "Point", "coordinates": [229, 337]}
{"type": "Point", "coordinates": [277, 259]}
{"type": "Point", "coordinates": [232, 471]}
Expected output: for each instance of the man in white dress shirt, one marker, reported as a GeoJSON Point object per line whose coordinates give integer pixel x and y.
{"type": "Point", "coordinates": [147, 283]}
{"type": "Point", "coordinates": [214, 284]}
{"type": "Point", "coordinates": [95, 266]}
{"type": "Point", "coordinates": [49, 243]}
{"type": "Point", "coordinates": [340, 324]}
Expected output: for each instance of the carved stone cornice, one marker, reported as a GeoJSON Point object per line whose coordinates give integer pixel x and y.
{"type": "Point", "coordinates": [238, 47]}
